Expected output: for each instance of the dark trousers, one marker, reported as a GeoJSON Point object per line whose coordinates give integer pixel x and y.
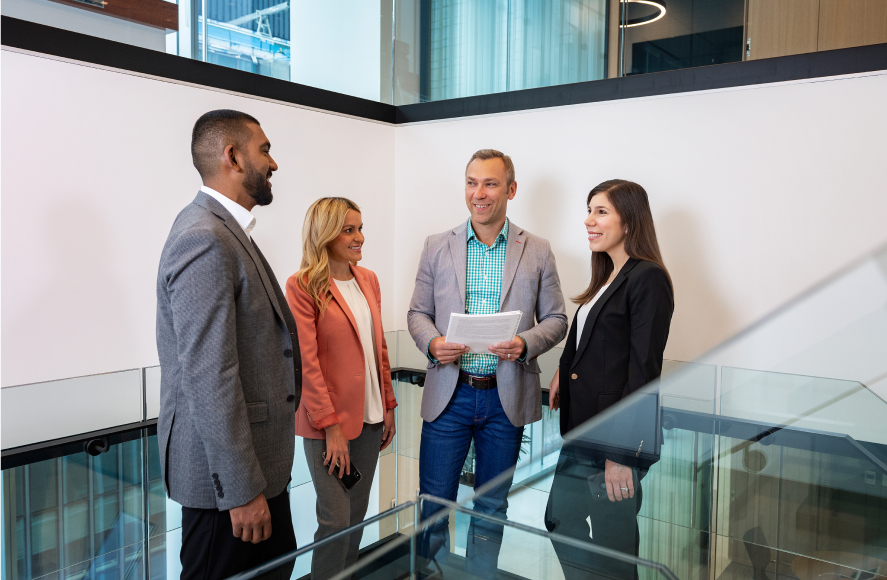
{"type": "Point", "coordinates": [578, 508]}
{"type": "Point", "coordinates": [210, 550]}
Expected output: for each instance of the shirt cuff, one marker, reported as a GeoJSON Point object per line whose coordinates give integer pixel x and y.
{"type": "Point", "coordinates": [428, 353]}
{"type": "Point", "coordinates": [523, 357]}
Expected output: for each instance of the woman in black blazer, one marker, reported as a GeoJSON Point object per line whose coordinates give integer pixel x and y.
{"type": "Point", "coordinates": [614, 348]}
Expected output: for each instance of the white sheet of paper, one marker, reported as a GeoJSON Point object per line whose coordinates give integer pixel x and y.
{"type": "Point", "coordinates": [479, 331]}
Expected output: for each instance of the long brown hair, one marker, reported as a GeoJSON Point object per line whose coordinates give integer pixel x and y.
{"type": "Point", "coordinates": [633, 207]}
{"type": "Point", "coordinates": [323, 224]}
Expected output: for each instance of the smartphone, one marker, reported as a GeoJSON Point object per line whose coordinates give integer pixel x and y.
{"type": "Point", "coordinates": [347, 481]}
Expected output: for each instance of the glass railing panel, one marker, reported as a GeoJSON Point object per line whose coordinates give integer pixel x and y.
{"type": "Point", "coordinates": [391, 342]}
{"type": "Point", "coordinates": [408, 354]}
{"type": "Point", "coordinates": [409, 419]}
{"type": "Point", "coordinates": [688, 386]}
{"type": "Point", "coordinates": [492, 549]}
{"type": "Point", "coordinates": [77, 405]}
{"type": "Point", "coordinates": [730, 480]}
{"type": "Point", "coordinates": [805, 496]}
{"type": "Point", "coordinates": [806, 403]}
{"type": "Point", "coordinates": [70, 510]}
{"type": "Point", "coordinates": [836, 330]}
{"type": "Point", "coordinates": [152, 392]}
{"type": "Point", "coordinates": [125, 563]}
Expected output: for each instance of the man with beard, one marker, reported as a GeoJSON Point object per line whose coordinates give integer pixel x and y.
{"type": "Point", "coordinates": [229, 356]}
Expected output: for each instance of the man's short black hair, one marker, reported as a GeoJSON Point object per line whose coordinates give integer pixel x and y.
{"type": "Point", "coordinates": [214, 131]}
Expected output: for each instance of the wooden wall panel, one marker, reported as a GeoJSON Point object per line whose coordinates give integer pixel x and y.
{"type": "Point", "coordinates": [843, 24]}
{"type": "Point", "coordinates": [782, 27]}
{"type": "Point", "coordinates": [155, 13]}
{"type": "Point", "coordinates": [613, 32]}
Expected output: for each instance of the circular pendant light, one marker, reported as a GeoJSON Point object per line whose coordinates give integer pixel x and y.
{"type": "Point", "coordinates": [660, 4]}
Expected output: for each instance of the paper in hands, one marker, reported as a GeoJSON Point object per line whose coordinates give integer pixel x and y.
{"type": "Point", "coordinates": [479, 331]}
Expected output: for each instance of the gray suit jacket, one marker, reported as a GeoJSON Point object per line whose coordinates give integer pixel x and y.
{"type": "Point", "coordinates": [529, 283]}
{"type": "Point", "coordinates": [229, 363]}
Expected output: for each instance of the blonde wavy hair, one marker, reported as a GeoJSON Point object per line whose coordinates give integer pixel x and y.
{"type": "Point", "coordinates": [323, 223]}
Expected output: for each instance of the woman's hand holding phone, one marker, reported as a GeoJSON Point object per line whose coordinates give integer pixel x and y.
{"type": "Point", "coordinates": [337, 451]}
{"type": "Point", "coordinates": [620, 484]}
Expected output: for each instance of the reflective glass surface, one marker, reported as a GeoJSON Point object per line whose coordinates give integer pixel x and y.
{"type": "Point", "coordinates": [81, 515]}
{"type": "Point", "coordinates": [734, 473]}
{"type": "Point", "coordinates": [690, 33]}
{"type": "Point", "coordinates": [411, 51]}
{"type": "Point", "coordinates": [447, 49]}
{"type": "Point", "coordinates": [737, 473]}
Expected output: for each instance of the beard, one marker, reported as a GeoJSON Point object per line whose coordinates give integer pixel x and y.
{"type": "Point", "coordinates": [257, 186]}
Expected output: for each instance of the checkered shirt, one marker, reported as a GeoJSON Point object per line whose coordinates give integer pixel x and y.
{"type": "Point", "coordinates": [483, 291]}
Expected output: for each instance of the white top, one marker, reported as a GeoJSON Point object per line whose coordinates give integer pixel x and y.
{"type": "Point", "coordinates": [246, 220]}
{"type": "Point", "coordinates": [583, 313]}
{"type": "Point", "coordinates": [373, 412]}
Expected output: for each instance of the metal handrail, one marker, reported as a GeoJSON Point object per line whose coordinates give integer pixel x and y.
{"type": "Point", "coordinates": [280, 560]}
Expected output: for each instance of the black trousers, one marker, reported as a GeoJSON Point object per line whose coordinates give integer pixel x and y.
{"type": "Point", "coordinates": [578, 507]}
{"type": "Point", "coordinates": [210, 551]}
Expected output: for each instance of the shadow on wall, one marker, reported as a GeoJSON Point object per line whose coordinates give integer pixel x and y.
{"type": "Point", "coordinates": [701, 319]}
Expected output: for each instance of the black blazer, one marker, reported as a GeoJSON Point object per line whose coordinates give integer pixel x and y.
{"type": "Point", "coordinates": [621, 346]}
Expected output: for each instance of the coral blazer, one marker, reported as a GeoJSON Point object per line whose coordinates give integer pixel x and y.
{"type": "Point", "coordinates": [333, 382]}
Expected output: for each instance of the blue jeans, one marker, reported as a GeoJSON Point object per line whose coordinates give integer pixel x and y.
{"type": "Point", "coordinates": [478, 414]}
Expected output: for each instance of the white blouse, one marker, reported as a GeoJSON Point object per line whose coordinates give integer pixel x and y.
{"type": "Point", "coordinates": [583, 313]}
{"type": "Point", "coordinates": [373, 412]}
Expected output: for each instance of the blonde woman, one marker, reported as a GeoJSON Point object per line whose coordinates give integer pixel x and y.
{"type": "Point", "coordinates": [346, 414]}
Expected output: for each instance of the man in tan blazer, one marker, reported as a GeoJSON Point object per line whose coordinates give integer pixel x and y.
{"type": "Point", "coordinates": [483, 266]}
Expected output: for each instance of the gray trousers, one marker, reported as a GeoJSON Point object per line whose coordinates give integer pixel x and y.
{"type": "Point", "coordinates": [337, 509]}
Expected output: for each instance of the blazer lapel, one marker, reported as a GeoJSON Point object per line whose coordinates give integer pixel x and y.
{"type": "Point", "coordinates": [459, 253]}
{"type": "Point", "coordinates": [340, 300]}
{"type": "Point", "coordinates": [598, 306]}
{"type": "Point", "coordinates": [517, 239]}
{"type": "Point", "coordinates": [212, 205]}
{"type": "Point", "coordinates": [370, 294]}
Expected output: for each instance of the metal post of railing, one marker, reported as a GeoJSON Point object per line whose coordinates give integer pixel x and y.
{"type": "Point", "coordinates": [203, 52]}
{"type": "Point", "coordinates": [414, 546]}
{"type": "Point", "coordinates": [622, 21]}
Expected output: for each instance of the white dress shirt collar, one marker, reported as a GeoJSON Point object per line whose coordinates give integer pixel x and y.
{"type": "Point", "coordinates": [244, 218]}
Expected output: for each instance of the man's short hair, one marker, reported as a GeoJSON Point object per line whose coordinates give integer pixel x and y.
{"type": "Point", "coordinates": [214, 131]}
{"type": "Point", "coordinates": [485, 154]}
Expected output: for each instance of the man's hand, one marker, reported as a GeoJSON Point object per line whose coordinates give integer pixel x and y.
{"type": "Point", "coordinates": [337, 451]}
{"type": "Point", "coordinates": [251, 522]}
{"type": "Point", "coordinates": [446, 352]}
{"type": "Point", "coordinates": [554, 387]}
{"type": "Point", "coordinates": [388, 433]}
{"type": "Point", "coordinates": [511, 350]}
{"type": "Point", "coordinates": [620, 484]}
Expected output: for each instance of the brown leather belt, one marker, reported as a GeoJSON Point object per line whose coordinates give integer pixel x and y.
{"type": "Point", "coordinates": [481, 383]}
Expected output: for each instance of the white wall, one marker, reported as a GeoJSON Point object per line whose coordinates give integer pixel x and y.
{"type": "Point", "coordinates": [757, 192]}
{"type": "Point", "coordinates": [96, 165]}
